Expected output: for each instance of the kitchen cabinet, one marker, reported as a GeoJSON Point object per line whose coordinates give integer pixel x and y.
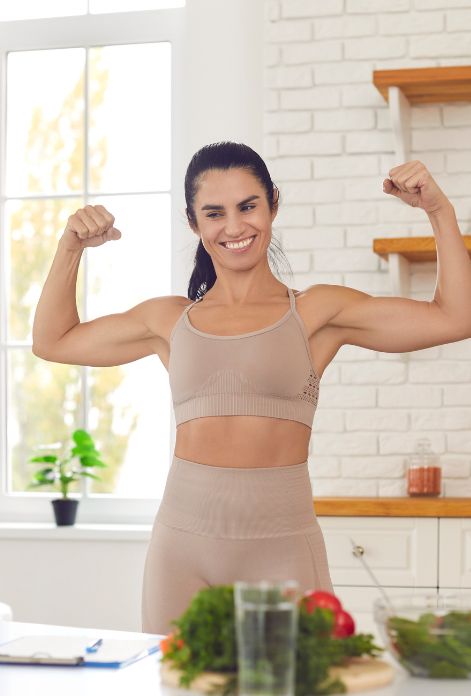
{"type": "Point", "coordinates": [402, 552]}
{"type": "Point", "coordinates": [454, 568]}
{"type": "Point", "coordinates": [408, 555]}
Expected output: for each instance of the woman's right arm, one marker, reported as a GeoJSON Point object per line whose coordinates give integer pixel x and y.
{"type": "Point", "coordinates": [58, 334]}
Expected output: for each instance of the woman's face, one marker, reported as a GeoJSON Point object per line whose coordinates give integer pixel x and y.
{"type": "Point", "coordinates": [231, 206]}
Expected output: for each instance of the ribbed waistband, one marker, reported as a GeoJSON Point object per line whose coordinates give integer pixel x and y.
{"type": "Point", "coordinates": [238, 503]}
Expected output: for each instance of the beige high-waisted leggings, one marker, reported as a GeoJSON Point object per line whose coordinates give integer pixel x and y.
{"type": "Point", "coordinates": [216, 525]}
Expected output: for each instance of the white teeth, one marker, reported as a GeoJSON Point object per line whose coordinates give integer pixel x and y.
{"type": "Point", "coordinates": [239, 245]}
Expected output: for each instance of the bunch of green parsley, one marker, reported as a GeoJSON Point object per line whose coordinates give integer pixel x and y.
{"type": "Point", "coordinates": [208, 631]}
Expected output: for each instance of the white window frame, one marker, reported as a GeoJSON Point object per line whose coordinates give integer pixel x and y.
{"type": "Point", "coordinates": [89, 31]}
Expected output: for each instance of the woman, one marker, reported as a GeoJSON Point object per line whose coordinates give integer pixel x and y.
{"type": "Point", "coordinates": [238, 500]}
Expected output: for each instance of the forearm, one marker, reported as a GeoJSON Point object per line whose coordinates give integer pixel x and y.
{"type": "Point", "coordinates": [453, 286]}
{"type": "Point", "coordinates": [56, 311]}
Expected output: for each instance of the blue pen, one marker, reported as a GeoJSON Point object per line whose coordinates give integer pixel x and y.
{"type": "Point", "coordinates": [94, 647]}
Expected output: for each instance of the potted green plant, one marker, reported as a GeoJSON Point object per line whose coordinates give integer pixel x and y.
{"type": "Point", "coordinates": [61, 472]}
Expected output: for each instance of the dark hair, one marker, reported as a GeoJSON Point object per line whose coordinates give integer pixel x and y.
{"type": "Point", "coordinates": [225, 155]}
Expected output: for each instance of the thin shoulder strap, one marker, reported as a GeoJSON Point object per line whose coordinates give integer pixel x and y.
{"type": "Point", "coordinates": [292, 302]}
{"type": "Point", "coordinates": [188, 307]}
{"type": "Point", "coordinates": [180, 318]}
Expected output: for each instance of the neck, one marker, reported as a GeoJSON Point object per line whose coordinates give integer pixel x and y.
{"type": "Point", "coordinates": [234, 288]}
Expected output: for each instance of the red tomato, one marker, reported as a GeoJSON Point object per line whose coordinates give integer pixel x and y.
{"type": "Point", "coordinates": [344, 625]}
{"type": "Point", "coordinates": [319, 598]}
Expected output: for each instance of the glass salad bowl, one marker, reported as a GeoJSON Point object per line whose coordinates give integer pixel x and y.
{"type": "Point", "coordinates": [429, 635]}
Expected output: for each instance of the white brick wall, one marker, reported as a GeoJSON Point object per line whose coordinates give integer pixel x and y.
{"type": "Point", "coordinates": [328, 145]}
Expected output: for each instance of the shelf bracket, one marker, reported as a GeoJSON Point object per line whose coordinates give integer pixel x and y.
{"type": "Point", "coordinates": [399, 109]}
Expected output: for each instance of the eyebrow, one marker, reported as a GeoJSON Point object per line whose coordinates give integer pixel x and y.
{"type": "Point", "coordinates": [211, 206]}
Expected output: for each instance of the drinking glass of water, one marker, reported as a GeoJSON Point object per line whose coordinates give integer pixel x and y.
{"type": "Point", "coordinates": [266, 614]}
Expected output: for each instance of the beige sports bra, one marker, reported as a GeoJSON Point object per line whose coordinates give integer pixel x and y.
{"type": "Point", "coordinates": [268, 372]}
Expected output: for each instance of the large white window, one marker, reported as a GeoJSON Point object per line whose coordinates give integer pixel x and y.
{"type": "Point", "coordinates": [88, 118]}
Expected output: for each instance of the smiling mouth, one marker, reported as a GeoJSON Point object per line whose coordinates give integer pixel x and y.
{"type": "Point", "coordinates": [242, 244]}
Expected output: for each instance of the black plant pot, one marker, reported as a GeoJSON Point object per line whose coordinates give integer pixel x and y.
{"type": "Point", "coordinates": [65, 511]}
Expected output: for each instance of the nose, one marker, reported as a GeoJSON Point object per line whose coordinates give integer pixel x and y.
{"type": "Point", "coordinates": [235, 227]}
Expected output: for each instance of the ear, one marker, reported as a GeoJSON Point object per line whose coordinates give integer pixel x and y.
{"type": "Point", "coordinates": [275, 204]}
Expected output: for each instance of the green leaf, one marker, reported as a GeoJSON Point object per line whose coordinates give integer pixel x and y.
{"type": "Point", "coordinates": [45, 475]}
{"type": "Point", "coordinates": [83, 449]}
{"type": "Point", "coordinates": [208, 628]}
{"type": "Point", "coordinates": [81, 437]}
{"type": "Point", "coordinates": [92, 461]}
{"type": "Point", "coordinates": [84, 452]}
{"type": "Point", "coordinates": [68, 477]}
{"type": "Point", "coordinates": [441, 669]}
{"type": "Point", "coordinates": [89, 475]}
{"type": "Point", "coordinates": [44, 458]}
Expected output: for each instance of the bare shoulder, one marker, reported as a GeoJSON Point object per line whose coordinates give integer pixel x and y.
{"type": "Point", "coordinates": [161, 313]}
{"type": "Point", "coordinates": [320, 304]}
{"type": "Point", "coordinates": [328, 300]}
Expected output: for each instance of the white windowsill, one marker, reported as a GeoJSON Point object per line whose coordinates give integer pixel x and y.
{"type": "Point", "coordinates": [78, 532]}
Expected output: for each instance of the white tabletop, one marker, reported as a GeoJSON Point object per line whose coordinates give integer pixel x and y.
{"type": "Point", "coordinates": [143, 678]}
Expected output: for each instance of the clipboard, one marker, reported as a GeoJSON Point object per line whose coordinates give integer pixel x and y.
{"type": "Point", "coordinates": [71, 651]}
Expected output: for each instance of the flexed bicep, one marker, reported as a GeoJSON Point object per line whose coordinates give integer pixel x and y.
{"type": "Point", "coordinates": [392, 324]}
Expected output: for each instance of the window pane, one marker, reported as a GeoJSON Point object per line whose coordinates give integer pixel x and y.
{"type": "Point", "coordinates": [129, 151]}
{"type": "Point", "coordinates": [136, 267]}
{"type": "Point", "coordinates": [42, 408]}
{"type": "Point", "coordinates": [130, 421]}
{"type": "Point", "coordinates": [45, 121]}
{"type": "Point", "coordinates": [130, 134]}
{"type": "Point", "coordinates": [33, 228]}
{"type": "Point", "coordinates": [34, 9]}
{"type": "Point", "coordinates": [97, 6]}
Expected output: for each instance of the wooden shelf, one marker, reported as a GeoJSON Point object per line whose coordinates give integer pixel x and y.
{"type": "Point", "coordinates": [416, 249]}
{"type": "Point", "coordinates": [426, 85]}
{"type": "Point", "coordinates": [400, 88]}
{"type": "Point", "coordinates": [392, 507]}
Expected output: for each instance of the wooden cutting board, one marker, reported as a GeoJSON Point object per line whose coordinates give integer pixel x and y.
{"type": "Point", "coordinates": [364, 673]}
{"type": "Point", "coordinates": [200, 684]}
{"type": "Point", "coordinates": [361, 674]}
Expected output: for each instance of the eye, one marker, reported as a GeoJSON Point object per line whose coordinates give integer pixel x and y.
{"type": "Point", "coordinates": [211, 215]}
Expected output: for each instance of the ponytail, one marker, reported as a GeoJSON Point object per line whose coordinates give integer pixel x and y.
{"type": "Point", "coordinates": [204, 276]}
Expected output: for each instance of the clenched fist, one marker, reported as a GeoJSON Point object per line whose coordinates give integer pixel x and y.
{"type": "Point", "coordinates": [414, 185]}
{"type": "Point", "coordinates": [90, 226]}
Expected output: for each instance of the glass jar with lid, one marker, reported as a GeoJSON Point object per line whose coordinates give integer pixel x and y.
{"type": "Point", "coordinates": [424, 473]}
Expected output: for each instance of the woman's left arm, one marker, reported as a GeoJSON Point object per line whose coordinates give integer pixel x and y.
{"type": "Point", "coordinates": [394, 324]}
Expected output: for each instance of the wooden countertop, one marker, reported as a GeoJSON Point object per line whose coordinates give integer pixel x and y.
{"type": "Point", "coordinates": [392, 507]}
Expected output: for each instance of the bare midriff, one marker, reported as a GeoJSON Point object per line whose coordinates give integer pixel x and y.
{"type": "Point", "coordinates": [243, 441]}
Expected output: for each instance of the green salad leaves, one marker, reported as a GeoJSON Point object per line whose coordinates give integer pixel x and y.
{"type": "Point", "coordinates": [433, 646]}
